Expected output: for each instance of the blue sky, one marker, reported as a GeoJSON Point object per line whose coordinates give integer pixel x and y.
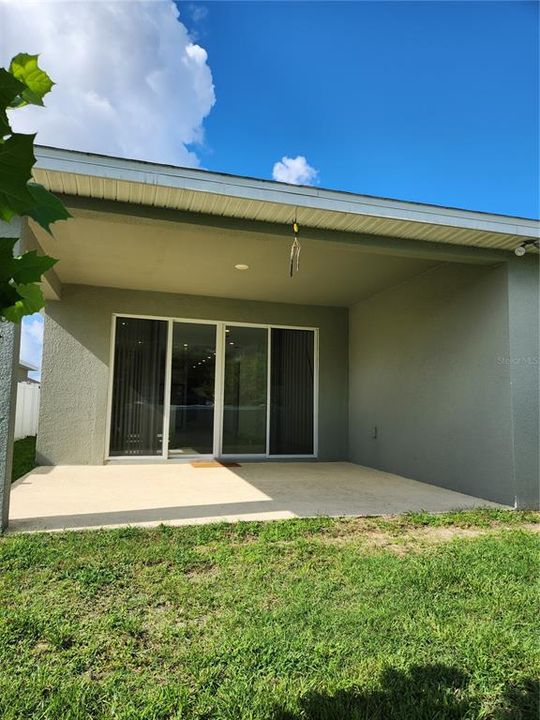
{"type": "Point", "coordinates": [428, 101]}
{"type": "Point", "coordinates": [435, 102]}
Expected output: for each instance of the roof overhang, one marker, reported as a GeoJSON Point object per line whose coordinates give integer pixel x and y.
{"type": "Point", "coordinates": [24, 365]}
{"type": "Point", "coordinates": [194, 191]}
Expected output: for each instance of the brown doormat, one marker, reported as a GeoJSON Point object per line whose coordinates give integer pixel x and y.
{"type": "Point", "coordinates": [212, 464]}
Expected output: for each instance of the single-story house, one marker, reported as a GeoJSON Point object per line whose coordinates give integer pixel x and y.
{"type": "Point", "coordinates": [406, 341]}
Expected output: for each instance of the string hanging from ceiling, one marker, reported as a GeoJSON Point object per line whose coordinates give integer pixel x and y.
{"type": "Point", "coordinates": [296, 248]}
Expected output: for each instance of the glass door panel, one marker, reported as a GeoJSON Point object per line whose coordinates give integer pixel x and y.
{"type": "Point", "coordinates": [138, 387]}
{"type": "Point", "coordinates": [291, 392]}
{"type": "Point", "coordinates": [245, 390]}
{"type": "Point", "coordinates": [193, 372]}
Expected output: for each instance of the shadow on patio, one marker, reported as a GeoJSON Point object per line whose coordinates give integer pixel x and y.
{"type": "Point", "coordinates": [75, 497]}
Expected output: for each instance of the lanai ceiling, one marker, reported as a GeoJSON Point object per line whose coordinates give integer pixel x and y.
{"type": "Point", "coordinates": [123, 252]}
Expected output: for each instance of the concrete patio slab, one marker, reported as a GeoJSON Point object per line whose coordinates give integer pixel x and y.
{"type": "Point", "coordinates": [115, 495]}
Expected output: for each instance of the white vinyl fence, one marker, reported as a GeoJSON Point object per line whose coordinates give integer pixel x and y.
{"type": "Point", "coordinates": [27, 409]}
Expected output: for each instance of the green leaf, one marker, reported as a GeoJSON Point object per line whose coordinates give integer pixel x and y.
{"type": "Point", "coordinates": [25, 68]}
{"type": "Point", "coordinates": [16, 162]}
{"type": "Point", "coordinates": [7, 261]}
{"type": "Point", "coordinates": [47, 208]}
{"type": "Point", "coordinates": [10, 88]}
{"type": "Point", "coordinates": [8, 296]}
{"type": "Point", "coordinates": [6, 249]}
{"type": "Point", "coordinates": [29, 268]}
{"type": "Point", "coordinates": [26, 268]}
{"type": "Point", "coordinates": [19, 295]}
{"type": "Point", "coordinates": [31, 301]}
{"type": "Point", "coordinates": [5, 128]}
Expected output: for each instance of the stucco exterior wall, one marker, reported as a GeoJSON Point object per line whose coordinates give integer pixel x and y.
{"type": "Point", "coordinates": [523, 362]}
{"type": "Point", "coordinates": [430, 394]}
{"type": "Point", "coordinates": [9, 357]}
{"type": "Point", "coordinates": [76, 360]}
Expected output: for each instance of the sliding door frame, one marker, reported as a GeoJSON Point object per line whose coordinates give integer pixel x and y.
{"type": "Point", "coordinates": [219, 389]}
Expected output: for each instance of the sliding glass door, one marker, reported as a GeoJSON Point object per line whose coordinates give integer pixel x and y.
{"type": "Point", "coordinates": [193, 379]}
{"type": "Point", "coordinates": [182, 388]}
{"type": "Point", "coordinates": [138, 387]}
{"type": "Point", "coordinates": [245, 391]}
{"type": "Point", "coordinates": [250, 391]}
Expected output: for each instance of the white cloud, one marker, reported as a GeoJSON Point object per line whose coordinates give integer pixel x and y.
{"type": "Point", "coordinates": [295, 171]}
{"type": "Point", "coordinates": [198, 12]}
{"type": "Point", "coordinates": [32, 342]}
{"type": "Point", "coordinates": [129, 79]}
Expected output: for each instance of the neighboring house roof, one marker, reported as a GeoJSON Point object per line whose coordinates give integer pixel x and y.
{"type": "Point", "coordinates": [200, 191]}
{"type": "Point", "coordinates": [23, 365]}
{"type": "Point", "coordinates": [24, 369]}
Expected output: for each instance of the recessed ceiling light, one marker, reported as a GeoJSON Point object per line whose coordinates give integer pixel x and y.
{"type": "Point", "coordinates": [241, 266]}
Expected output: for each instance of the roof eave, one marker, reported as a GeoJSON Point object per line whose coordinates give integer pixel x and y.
{"type": "Point", "coordinates": [327, 203]}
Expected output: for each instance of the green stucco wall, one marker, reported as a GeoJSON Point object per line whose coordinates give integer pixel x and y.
{"type": "Point", "coordinates": [9, 361]}
{"type": "Point", "coordinates": [431, 362]}
{"type": "Point", "coordinates": [523, 321]}
{"type": "Point", "coordinates": [77, 350]}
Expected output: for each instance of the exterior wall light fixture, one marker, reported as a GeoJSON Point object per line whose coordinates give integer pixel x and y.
{"type": "Point", "coordinates": [522, 249]}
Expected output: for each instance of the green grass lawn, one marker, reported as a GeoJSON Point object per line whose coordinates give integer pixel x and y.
{"type": "Point", "coordinates": [24, 457]}
{"type": "Point", "coordinates": [428, 617]}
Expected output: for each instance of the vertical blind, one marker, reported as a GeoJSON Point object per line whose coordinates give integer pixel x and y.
{"type": "Point", "coordinates": [291, 392]}
{"type": "Point", "coordinates": [245, 383]}
{"type": "Point", "coordinates": [138, 387]}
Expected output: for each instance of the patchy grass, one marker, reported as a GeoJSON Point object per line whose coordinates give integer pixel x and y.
{"type": "Point", "coordinates": [24, 457]}
{"type": "Point", "coordinates": [276, 621]}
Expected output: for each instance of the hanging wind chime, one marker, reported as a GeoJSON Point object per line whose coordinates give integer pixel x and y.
{"type": "Point", "coordinates": [294, 258]}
